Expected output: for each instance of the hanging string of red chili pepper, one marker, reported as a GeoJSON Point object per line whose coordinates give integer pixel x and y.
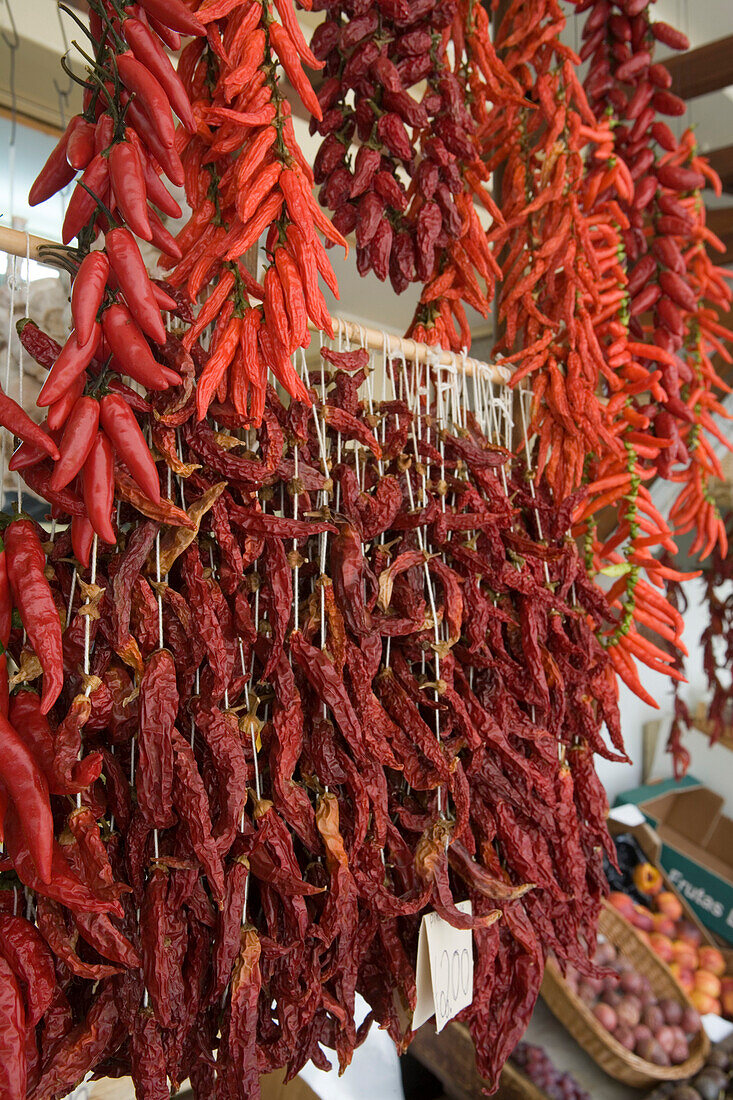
{"type": "Point", "coordinates": [408, 190]}
{"type": "Point", "coordinates": [244, 174]}
{"type": "Point", "coordinates": [669, 276]}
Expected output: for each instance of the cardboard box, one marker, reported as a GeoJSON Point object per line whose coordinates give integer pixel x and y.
{"type": "Point", "coordinates": [696, 845]}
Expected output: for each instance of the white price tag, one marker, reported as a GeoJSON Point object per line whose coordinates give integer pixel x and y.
{"type": "Point", "coordinates": [444, 969]}
{"type": "Point", "coordinates": [627, 814]}
{"type": "Point", "coordinates": [716, 1028]}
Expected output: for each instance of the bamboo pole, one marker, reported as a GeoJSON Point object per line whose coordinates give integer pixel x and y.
{"type": "Point", "coordinates": [17, 243]}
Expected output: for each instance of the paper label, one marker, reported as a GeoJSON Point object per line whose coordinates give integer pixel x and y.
{"type": "Point", "coordinates": [716, 1028]}
{"type": "Point", "coordinates": [444, 975]}
{"type": "Point", "coordinates": [627, 814]}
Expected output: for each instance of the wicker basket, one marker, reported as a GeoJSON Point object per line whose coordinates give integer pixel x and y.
{"type": "Point", "coordinates": [606, 1051]}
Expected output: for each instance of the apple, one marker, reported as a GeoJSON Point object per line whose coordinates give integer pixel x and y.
{"type": "Point", "coordinates": [647, 879]}
{"type": "Point", "coordinates": [685, 954]}
{"type": "Point", "coordinates": [623, 903]}
{"type": "Point", "coordinates": [703, 1002]}
{"type": "Point", "coordinates": [661, 946]}
{"type": "Point", "coordinates": [642, 918]}
{"type": "Point", "coordinates": [712, 960]}
{"type": "Point", "coordinates": [665, 925]}
{"type": "Point", "coordinates": [669, 904]}
{"type": "Point", "coordinates": [683, 975]}
{"type": "Point", "coordinates": [707, 983]}
{"type": "Point", "coordinates": [689, 932]}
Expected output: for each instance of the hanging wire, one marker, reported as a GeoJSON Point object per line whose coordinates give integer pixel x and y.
{"type": "Point", "coordinates": [8, 351]}
{"type": "Point", "coordinates": [19, 480]}
{"type": "Point", "coordinates": [63, 96]}
{"type": "Point", "coordinates": [12, 41]}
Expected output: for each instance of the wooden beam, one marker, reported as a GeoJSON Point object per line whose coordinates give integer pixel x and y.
{"type": "Point", "coordinates": [706, 69]}
{"type": "Point", "coordinates": [722, 161]}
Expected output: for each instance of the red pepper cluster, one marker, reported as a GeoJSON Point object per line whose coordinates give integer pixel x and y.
{"type": "Point", "coordinates": [244, 173]}
{"type": "Point", "coordinates": [408, 191]}
{"type": "Point", "coordinates": [667, 317]}
{"type": "Point", "coordinates": [586, 210]}
{"type": "Point", "coordinates": [355, 680]}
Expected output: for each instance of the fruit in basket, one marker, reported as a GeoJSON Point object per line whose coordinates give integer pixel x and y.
{"type": "Point", "coordinates": [712, 960]}
{"type": "Point", "coordinates": [631, 982]}
{"type": "Point", "coordinates": [673, 1012]}
{"type": "Point", "coordinates": [704, 1003]}
{"type": "Point", "coordinates": [648, 879]}
{"type": "Point", "coordinates": [677, 942]}
{"type": "Point", "coordinates": [606, 1016]}
{"type": "Point", "coordinates": [685, 955]}
{"type": "Point", "coordinates": [659, 1031]}
{"type": "Point", "coordinates": [666, 1037]}
{"type": "Point", "coordinates": [662, 946]}
{"type": "Point", "coordinates": [629, 1011]}
{"type": "Point", "coordinates": [623, 903]}
{"type": "Point", "coordinates": [680, 1051]}
{"type": "Point", "coordinates": [652, 1051]}
{"type": "Point", "coordinates": [665, 925]}
{"type": "Point", "coordinates": [625, 1036]}
{"type": "Point", "coordinates": [643, 919]}
{"type": "Point", "coordinates": [707, 983]}
{"type": "Point", "coordinates": [669, 904]}
{"type": "Point", "coordinates": [684, 975]}
{"type": "Point", "coordinates": [653, 1018]}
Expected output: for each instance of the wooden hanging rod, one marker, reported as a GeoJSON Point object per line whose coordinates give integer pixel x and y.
{"type": "Point", "coordinates": [17, 243]}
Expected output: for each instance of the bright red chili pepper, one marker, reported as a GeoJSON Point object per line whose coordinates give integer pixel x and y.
{"type": "Point", "coordinates": [87, 293]}
{"type": "Point", "coordinates": [152, 55]}
{"type": "Point", "coordinates": [80, 146]}
{"type": "Point", "coordinates": [82, 204]}
{"type": "Point", "coordinates": [82, 537]}
{"type": "Point", "coordinates": [129, 268]}
{"type": "Point", "coordinates": [130, 190]}
{"type": "Point", "coordinates": [173, 14]}
{"type": "Point", "coordinates": [59, 411]}
{"type": "Point", "coordinates": [131, 352]}
{"type": "Point", "coordinates": [26, 564]}
{"type": "Point", "coordinates": [150, 95]}
{"type": "Point", "coordinates": [72, 362]}
{"type": "Point", "coordinates": [27, 787]}
{"type": "Point", "coordinates": [123, 430]}
{"type": "Point", "coordinates": [98, 483]}
{"type": "Point", "coordinates": [76, 443]}
{"type": "Point", "coordinates": [56, 172]}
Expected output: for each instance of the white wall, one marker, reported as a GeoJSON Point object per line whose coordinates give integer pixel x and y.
{"type": "Point", "coordinates": [713, 766]}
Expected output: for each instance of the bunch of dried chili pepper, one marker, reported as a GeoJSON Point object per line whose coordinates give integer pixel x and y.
{"type": "Point", "coordinates": [353, 644]}
{"type": "Point", "coordinates": [245, 175]}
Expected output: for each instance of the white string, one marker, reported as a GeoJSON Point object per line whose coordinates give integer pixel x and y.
{"type": "Point", "coordinates": [88, 619]}
{"type": "Point", "coordinates": [8, 349]}
{"type": "Point", "coordinates": [19, 480]}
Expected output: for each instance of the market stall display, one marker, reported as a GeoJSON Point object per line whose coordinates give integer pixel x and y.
{"type": "Point", "coordinates": [635, 1022]}
{"type": "Point", "coordinates": [711, 1083]}
{"type": "Point", "coordinates": [535, 1063]}
{"type": "Point", "coordinates": [310, 652]}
